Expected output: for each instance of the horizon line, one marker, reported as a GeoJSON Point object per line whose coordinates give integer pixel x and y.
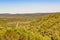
{"type": "Point", "coordinates": [29, 13]}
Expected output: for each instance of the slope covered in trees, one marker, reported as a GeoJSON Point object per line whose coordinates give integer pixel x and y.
{"type": "Point", "coordinates": [35, 27]}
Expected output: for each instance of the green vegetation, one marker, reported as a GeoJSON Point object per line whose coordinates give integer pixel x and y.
{"type": "Point", "coordinates": [46, 27]}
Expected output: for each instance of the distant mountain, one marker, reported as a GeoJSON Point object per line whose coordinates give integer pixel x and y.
{"type": "Point", "coordinates": [23, 15]}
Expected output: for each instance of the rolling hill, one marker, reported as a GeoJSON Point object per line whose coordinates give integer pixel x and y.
{"type": "Point", "coordinates": [30, 26]}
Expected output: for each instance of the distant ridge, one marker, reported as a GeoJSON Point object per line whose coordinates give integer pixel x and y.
{"type": "Point", "coordinates": [23, 15]}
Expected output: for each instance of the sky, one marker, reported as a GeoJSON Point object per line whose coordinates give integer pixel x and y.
{"type": "Point", "coordinates": [29, 6]}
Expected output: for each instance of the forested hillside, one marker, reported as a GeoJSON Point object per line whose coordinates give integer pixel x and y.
{"type": "Point", "coordinates": [45, 27]}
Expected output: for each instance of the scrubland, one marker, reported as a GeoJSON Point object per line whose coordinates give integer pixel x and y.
{"type": "Point", "coordinates": [46, 27]}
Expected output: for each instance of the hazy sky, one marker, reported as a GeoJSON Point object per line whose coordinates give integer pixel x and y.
{"type": "Point", "coordinates": [29, 6]}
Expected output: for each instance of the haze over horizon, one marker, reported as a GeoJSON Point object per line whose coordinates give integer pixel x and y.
{"type": "Point", "coordinates": [29, 6]}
